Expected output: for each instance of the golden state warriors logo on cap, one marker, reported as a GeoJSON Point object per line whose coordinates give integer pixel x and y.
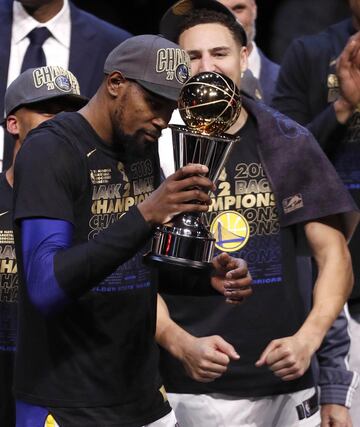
{"type": "Point", "coordinates": [231, 231]}
{"type": "Point", "coordinates": [182, 73]}
{"type": "Point", "coordinates": [62, 82]}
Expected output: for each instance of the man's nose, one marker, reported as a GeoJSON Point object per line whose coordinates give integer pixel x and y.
{"type": "Point", "coordinates": [161, 122]}
{"type": "Point", "coordinates": [206, 64]}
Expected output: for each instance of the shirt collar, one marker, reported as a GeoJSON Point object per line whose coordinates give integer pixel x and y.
{"type": "Point", "coordinates": [254, 62]}
{"type": "Point", "coordinates": [59, 25]}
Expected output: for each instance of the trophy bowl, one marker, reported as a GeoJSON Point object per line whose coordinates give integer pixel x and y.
{"type": "Point", "coordinates": [209, 104]}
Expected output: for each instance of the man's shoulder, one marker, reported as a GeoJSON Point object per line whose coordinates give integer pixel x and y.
{"type": "Point", "coordinates": [268, 76]}
{"type": "Point", "coordinates": [324, 39]}
{"type": "Point", "coordinates": [49, 156]}
{"type": "Point", "coordinates": [55, 137]}
{"type": "Point", "coordinates": [6, 6]}
{"type": "Point", "coordinates": [265, 60]}
{"type": "Point", "coordinates": [104, 30]}
{"type": "Point", "coordinates": [340, 29]}
{"type": "Point", "coordinates": [58, 125]}
{"type": "Point", "coordinates": [268, 117]}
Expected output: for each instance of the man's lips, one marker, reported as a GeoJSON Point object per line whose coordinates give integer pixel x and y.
{"type": "Point", "coordinates": [153, 135]}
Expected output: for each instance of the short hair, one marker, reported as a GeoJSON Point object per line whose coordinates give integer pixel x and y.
{"type": "Point", "coordinates": [206, 16]}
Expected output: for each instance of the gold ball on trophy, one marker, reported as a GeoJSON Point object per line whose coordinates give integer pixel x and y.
{"type": "Point", "coordinates": [209, 103]}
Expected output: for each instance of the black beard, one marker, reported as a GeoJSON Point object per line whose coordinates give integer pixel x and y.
{"type": "Point", "coordinates": [131, 149]}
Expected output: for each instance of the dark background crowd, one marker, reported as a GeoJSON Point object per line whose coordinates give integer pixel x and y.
{"type": "Point", "coordinates": [278, 22]}
{"type": "Point", "coordinates": [68, 322]}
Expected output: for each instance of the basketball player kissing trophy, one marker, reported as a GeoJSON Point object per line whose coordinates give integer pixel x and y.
{"type": "Point", "coordinates": [209, 104]}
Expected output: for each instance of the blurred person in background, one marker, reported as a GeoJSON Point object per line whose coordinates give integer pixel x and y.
{"type": "Point", "coordinates": [35, 33]}
{"type": "Point", "coordinates": [26, 106]}
{"type": "Point", "coordinates": [262, 68]}
{"type": "Point", "coordinates": [319, 87]}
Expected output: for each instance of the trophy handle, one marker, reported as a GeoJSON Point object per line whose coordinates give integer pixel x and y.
{"type": "Point", "coordinates": [193, 147]}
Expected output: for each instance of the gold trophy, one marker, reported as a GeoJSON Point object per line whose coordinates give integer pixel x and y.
{"type": "Point", "coordinates": [209, 104]}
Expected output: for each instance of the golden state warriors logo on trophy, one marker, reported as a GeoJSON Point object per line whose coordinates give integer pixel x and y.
{"type": "Point", "coordinates": [209, 104]}
{"type": "Point", "coordinates": [231, 231]}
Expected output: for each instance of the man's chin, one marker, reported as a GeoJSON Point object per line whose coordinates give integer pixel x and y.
{"type": "Point", "coordinates": [138, 145]}
{"type": "Point", "coordinates": [141, 147]}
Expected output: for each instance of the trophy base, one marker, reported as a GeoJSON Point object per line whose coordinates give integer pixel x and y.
{"type": "Point", "coordinates": [174, 247]}
{"type": "Point", "coordinates": [172, 263]}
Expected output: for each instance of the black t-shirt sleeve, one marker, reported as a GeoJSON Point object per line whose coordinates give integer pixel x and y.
{"type": "Point", "coordinates": [47, 177]}
{"type": "Point", "coordinates": [50, 175]}
{"type": "Point", "coordinates": [82, 266]}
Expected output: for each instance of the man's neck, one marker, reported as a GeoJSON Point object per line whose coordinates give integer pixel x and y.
{"type": "Point", "coordinates": [239, 122]}
{"type": "Point", "coordinates": [9, 174]}
{"type": "Point", "coordinates": [45, 12]}
{"type": "Point", "coordinates": [98, 118]}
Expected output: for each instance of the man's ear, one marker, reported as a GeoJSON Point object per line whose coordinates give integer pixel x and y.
{"type": "Point", "coordinates": [243, 59]}
{"type": "Point", "coordinates": [114, 82]}
{"type": "Point", "coordinates": [12, 125]}
{"type": "Point", "coordinates": [254, 8]}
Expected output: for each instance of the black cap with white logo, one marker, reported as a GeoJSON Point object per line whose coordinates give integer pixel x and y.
{"type": "Point", "coordinates": [157, 64]}
{"type": "Point", "coordinates": [42, 84]}
{"type": "Point", "coordinates": [174, 17]}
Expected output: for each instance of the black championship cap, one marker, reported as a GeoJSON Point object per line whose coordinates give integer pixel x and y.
{"type": "Point", "coordinates": [42, 84]}
{"type": "Point", "coordinates": [157, 64]}
{"type": "Point", "coordinates": [173, 18]}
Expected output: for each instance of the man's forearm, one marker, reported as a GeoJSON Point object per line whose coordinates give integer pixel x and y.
{"type": "Point", "coordinates": [168, 333]}
{"type": "Point", "coordinates": [334, 281]}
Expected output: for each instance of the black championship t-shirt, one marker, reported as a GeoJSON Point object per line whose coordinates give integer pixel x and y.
{"type": "Point", "coordinates": [244, 220]}
{"type": "Point", "coordinates": [8, 303]}
{"type": "Point", "coordinates": [99, 352]}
